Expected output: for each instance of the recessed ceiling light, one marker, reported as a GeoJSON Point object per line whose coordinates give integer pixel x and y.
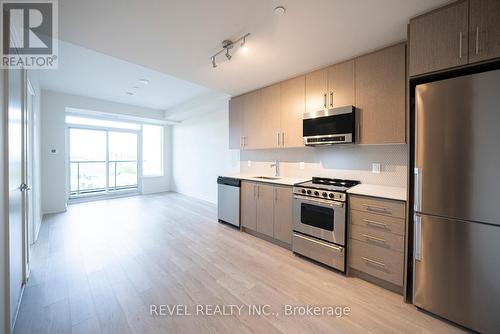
{"type": "Point", "coordinates": [280, 10]}
{"type": "Point", "coordinates": [129, 93]}
{"type": "Point", "coordinates": [144, 81]}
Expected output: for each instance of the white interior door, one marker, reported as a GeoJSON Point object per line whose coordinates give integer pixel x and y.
{"type": "Point", "coordinates": [16, 124]}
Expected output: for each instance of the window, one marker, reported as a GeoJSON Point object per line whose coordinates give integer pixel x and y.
{"type": "Point", "coordinates": [152, 150]}
{"type": "Point", "coordinates": [101, 123]}
{"type": "Point", "coordinates": [102, 161]}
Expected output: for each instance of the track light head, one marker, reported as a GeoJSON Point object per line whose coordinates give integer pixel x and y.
{"type": "Point", "coordinates": [243, 46]}
{"type": "Point", "coordinates": [214, 64]}
{"type": "Point", "coordinates": [228, 55]}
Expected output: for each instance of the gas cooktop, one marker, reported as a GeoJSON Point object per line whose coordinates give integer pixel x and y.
{"type": "Point", "coordinates": [326, 188]}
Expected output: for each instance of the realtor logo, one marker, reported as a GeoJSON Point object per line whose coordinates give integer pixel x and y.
{"type": "Point", "coordinates": [29, 34]}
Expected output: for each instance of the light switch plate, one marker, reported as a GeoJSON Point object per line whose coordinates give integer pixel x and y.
{"type": "Point", "coordinates": [249, 163]}
{"type": "Point", "coordinates": [302, 165]}
{"type": "Point", "coordinates": [376, 168]}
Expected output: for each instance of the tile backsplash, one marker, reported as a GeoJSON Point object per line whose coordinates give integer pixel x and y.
{"type": "Point", "coordinates": [340, 161]}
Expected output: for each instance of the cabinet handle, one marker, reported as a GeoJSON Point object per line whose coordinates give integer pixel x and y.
{"type": "Point", "coordinates": [377, 263]}
{"type": "Point", "coordinates": [477, 40]}
{"type": "Point", "coordinates": [324, 100]}
{"type": "Point", "coordinates": [331, 99]}
{"type": "Point", "coordinates": [358, 130]}
{"type": "Point", "coordinates": [258, 191]}
{"type": "Point", "coordinates": [254, 194]}
{"type": "Point", "coordinates": [460, 46]}
{"type": "Point", "coordinates": [241, 141]}
{"type": "Point", "coordinates": [283, 139]}
{"type": "Point", "coordinates": [376, 208]}
{"type": "Point", "coordinates": [244, 141]}
{"type": "Point", "coordinates": [277, 139]}
{"type": "Point", "coordinates": [370, 237]}
{"type": "Point", "coordinates": [374, 223]}
{"type": "Point", "coordinates": [275, 195]}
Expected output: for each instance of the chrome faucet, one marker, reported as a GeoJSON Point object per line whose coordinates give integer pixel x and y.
{"type": "Point", "coordinates": [276, 164]}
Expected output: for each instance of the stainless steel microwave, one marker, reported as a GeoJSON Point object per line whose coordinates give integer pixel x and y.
{"type": "Point", "coordinates": [332, 126]}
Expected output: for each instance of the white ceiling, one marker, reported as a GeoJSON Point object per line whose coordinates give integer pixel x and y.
{"type": "Point", "coordinates": [179, 37]}
{"type": "Point", "coordinates": [89, 73]}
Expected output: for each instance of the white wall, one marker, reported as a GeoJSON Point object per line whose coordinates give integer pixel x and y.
{"type": "Point", "coordinates": [200, 151]}
{"type": "Point", "coordinates": [151, 185]}
{"type": "Point", "coordinates": [53, 106]}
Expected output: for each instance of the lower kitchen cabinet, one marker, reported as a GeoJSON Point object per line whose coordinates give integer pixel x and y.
{"type": "Point", "coordinates": [283, 213]}
{"type": "Point", "coordinates": [248, 213]}
{"type": "Point", "coordinates": [267, 209]}
{"type": "Point", "coordinates": [376, 240]}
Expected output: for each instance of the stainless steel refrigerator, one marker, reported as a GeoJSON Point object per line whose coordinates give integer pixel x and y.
{"type": "Point", "coordinates": [457, 200]}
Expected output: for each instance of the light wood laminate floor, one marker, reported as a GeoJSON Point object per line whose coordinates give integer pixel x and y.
{"type": "Point", "coordinates": [98, 267]}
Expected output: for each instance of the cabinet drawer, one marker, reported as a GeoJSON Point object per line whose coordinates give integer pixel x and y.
{"type": "Point", "coordinates": [378, 206]}
{"type": "Point", "coordinates": [378, 262]}
{"type": "Point", "coordinates": [318, 250]}
{"type": "Point", "coordinates": [376, 222]}
{"type": "Point", "coordinates": [378, 238]}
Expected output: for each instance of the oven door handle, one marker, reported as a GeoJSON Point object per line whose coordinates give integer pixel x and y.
{"type": "Point", "coordinates": [319, 201]}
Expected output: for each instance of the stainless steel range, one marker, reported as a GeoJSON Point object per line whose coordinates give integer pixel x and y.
{"type": "Point", "coordinates": [319, 220]}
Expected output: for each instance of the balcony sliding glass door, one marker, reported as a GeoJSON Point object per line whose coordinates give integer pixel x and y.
{"type": "Point", "coordinates": [102, 161]}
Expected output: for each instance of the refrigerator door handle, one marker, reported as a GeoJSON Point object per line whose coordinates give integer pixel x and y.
{"type": "Point", "coordinates": [417, 201]}
{"type": "Point", "coordinates": [417, 251]}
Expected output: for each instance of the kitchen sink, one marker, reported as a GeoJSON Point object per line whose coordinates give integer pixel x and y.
{"type": "Point", "coordinates": [267, 177]}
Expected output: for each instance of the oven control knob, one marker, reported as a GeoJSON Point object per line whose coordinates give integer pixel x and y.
{"type": "Point", "coordinates": [303, 191]}
{"type": "Point", "coordinates": [309, 192]}
{"type": "Point", "coordinates": [330, 195]}
{"type": "Point", "coordinates": [325, 194]}
{"type": "Point", "coordinates": [316, 193]}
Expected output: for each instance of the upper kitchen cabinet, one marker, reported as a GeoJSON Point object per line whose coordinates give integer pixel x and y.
{"type": "Point", "coordinates": [236, 109]}
{"type": "Point", "coordinates": [292, 111]}
{"type": "Point", "coordinates": [484, 30]}
{"type": "Point", "coordinates": [341, 84]}
{"type": "Point", "coordinates": [380, 96]}
{"type": "Point", "coordinates": [255, 119]}
{"type": "Point", "coordinates": [316, 90]}
{"type": "Point", "coordinates": [270, 123]}
{"type": "Point", "coordinates": [330, 87]}
{"type": "Point", "coordinates": [438, 40]}
{"type": "Point", "coordinates": [252, 120]}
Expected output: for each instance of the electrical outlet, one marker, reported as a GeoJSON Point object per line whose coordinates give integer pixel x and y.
{"type": "Point", "coordinates": [302, 165]}
{"type": "Point", "coordinates": [249, 163]}
{"type": "Point", "coordinates": [376, 168]}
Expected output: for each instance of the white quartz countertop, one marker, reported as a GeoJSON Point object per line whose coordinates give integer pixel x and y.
{"type": "Point", "coordinates": [288, 181]}
{"type": "Point", "coordinates": [397, 193]}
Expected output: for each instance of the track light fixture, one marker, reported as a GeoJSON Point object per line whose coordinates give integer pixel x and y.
{"type": "Point", "coordinates": [227, 45]}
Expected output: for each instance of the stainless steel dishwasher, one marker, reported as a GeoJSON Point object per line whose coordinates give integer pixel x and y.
{"type": "Point", "coordinates": [228, 200]}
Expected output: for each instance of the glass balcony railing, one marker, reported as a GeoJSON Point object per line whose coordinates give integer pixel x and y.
{"type": "Point", "coordinates": [89, 177]}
